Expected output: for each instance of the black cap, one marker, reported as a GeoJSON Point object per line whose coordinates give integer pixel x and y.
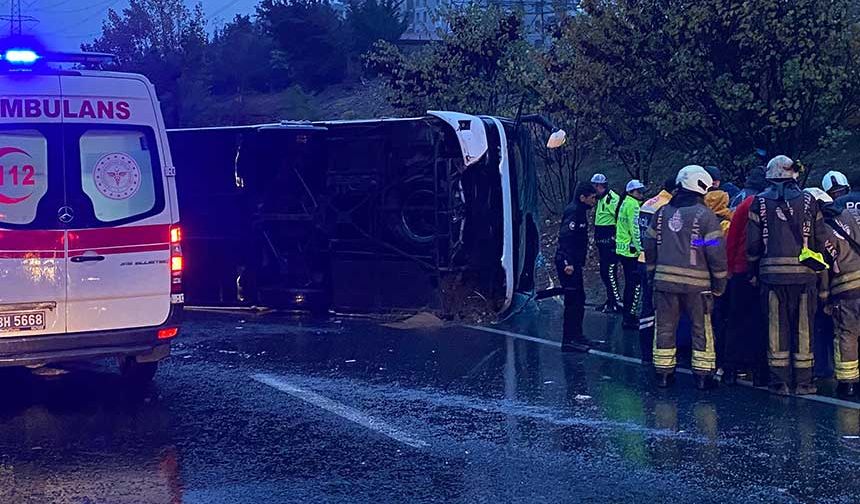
{"type": "Point", "coordinates": [714, 172]}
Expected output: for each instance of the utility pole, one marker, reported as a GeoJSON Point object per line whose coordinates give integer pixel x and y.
{"type": "Point", "coordinates": [17, 19]}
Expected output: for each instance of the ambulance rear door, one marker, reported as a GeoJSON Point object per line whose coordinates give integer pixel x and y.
{"type": "Point", "coordinates": [119, 241]}
{"type": "Point", "coordinates": [32, 206]}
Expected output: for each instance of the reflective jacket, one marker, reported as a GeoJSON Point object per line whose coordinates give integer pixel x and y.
{"type": "Point", "coordinates": [718, 202]}
{"type": "Point", "coordinates": [573, 235]}
{"type": "Point", "coordinates": [685, 248]}
{"type": "Point", "coordinates": [604, 215]}
{"type": "Point", "coordinates": [647, 212]}
{"type": "Point", "coordinates": [781, 220]}
{"type": "Point", "coordinates": [844, 257]}
{"type": "Point", "coordinates": [627, 239]}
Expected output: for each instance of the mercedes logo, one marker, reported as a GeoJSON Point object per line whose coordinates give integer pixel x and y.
{"type": "Point", "coordinates": [66, 214]}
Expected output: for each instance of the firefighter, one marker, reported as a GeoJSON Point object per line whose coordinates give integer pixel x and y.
{"type": "Point", "coordinates": [646, 311]}
{"type": "Point", "coordinates": [628, 245]}
{"type": "Point", "coordinates": [686, 257]}
{"type": "Point", "coordinates": [843, 251]}
{"type": "Point", "coordinates": [784, 236]}
{"type": "Point", "coordinates": [604, 237]}
{"type": "Point", "coordinates": [569, 260]}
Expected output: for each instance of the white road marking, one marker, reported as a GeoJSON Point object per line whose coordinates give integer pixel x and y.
{"type": "Point", "coordinates": [542, 341]}
{"type": "Point", "coordinates": [632, 360]}
{"type": "Point", "coordinates": [339, 409]}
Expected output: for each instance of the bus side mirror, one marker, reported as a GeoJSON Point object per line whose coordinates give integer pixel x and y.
{"type": "Point", "coordinates": [557, 139]}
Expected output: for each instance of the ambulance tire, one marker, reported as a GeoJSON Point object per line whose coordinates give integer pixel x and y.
{"type": "Point", "coordinates": [137, 375]}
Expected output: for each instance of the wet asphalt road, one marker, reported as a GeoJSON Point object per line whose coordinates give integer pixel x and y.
{"type": "Point", "coordinates": [270, 408]}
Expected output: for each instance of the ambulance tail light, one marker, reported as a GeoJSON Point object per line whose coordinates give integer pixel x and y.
{"type": "Point", "coordinates": [177, 264]}
{"type": "Point", "coordinates": [167, 333]}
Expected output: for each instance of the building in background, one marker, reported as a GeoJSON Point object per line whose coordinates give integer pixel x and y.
{"type": "Point", "coordinates": [425, 21]}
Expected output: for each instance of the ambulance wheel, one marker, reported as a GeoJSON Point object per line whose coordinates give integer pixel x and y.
{"type": "Point", "coordinates": [137, 375]}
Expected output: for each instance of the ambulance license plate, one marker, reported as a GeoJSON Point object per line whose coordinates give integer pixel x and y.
{"type": "Point", "coordinates": [23, 321]}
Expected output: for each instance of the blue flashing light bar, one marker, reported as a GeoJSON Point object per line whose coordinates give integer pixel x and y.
{"type": "Point", "coordinates": [21, 56]}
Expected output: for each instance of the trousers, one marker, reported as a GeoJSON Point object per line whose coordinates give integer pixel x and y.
{"type": "Point", "coordinates": [604, 236]}
{"type": "Point", "coordinates": [632, 286]}
{"type": "Point", "coordinates": [846, 325]}
{"type": "Point", "coordinates": [745, 338]}
{"type": "Point", "coordinates": [698, 307]}
{"type": "Point", "coordinates": [574, 303]}
{"type": "Point", "coordinates": [646, 316]}
{"type": "Point", "coordinates": [790, 312]}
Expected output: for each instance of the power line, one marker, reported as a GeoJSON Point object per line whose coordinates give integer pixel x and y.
{"type": "Point", "coordinates": [222, 9]}
{"type": "Point", "coordinates": [17, 19]}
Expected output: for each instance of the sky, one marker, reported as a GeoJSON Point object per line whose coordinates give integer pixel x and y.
{"type": "Point", "coordinates": [65, 24]}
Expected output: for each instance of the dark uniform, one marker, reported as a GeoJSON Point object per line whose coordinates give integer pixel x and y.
{"type": "Point", "coordinates": [781, 220]}
{"type": "Point", "coordinates": [845, 291]}
{"type": "Point", "coordinates": [686, 254]}
{"type": "Point", "coordinates": [850, 201]}
{"type": "Point", "coordinates": [572, 251]}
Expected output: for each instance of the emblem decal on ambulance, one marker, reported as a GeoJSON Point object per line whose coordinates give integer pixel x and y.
{"type": "Point", "coordinates": [15, 176]}
{"type": "Point", "coordinates": [117, 176]}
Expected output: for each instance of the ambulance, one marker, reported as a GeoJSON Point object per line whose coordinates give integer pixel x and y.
{"type": "Point", "coordinates": [90, 254]}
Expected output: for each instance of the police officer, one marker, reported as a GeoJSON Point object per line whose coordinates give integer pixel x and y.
{"type": "Point", "coordinates": [628, 246]}
{"type": "Point", "coordinates": [784, 236]}
{"type": "Point", "coordinates": [686, 254]}
{"type": "Point", "coordinates": [569, 261]}
{"type": "Point", "coordinates": [604, 237]}
{"type": "Point", "coordinates": [843, 250]}
{"type": "Point", "coordinates": [836, 185]}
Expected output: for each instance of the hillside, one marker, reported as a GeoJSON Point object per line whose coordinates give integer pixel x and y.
{"type": "Point", "coordinates": [348, 101]}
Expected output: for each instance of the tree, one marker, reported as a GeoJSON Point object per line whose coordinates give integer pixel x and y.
{"type": "Point", "coordinates": [768, 74]}
{"type": "Point", "coordinates": [370, 21]}
{"type": "Point", "coordinates": [603, 64]}
{"type": "Point", "coordinates": [166, 41]}
{"type": "Point", "coordinates": [469, 70]}
{"type": "Point", "coordinates": [310, 40]}
{"type": "Point", "coordinates": [712, 78]}
{"type": "Point", "coordinates": [241, 51]}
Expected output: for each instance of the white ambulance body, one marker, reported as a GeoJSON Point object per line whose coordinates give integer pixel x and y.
{"type": "Point", "coordinates": [90, 262]}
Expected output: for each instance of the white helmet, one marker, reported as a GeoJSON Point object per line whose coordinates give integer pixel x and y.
{"type": "Point", "coordinates": [598, 178]}
{"type": "Point", "coordinates": [819, 195]}
{"type": "Point", "coordinates": [694, 178]}
{"type": "Point", "coordinates": [633, 185]}
{"type": "Point", "coordinates": [834, 179]}
{"type": "Point", "coordinates": [781, 167]}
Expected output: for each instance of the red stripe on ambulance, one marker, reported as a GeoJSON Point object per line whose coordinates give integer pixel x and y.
{"type": "Point", "coordinates": [123, 237]}
{"type": "Point", "coordinates": [31, 241]}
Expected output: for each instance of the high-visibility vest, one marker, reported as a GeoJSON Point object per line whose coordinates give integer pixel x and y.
{"type": "Point", "coordinates": [607, 206]}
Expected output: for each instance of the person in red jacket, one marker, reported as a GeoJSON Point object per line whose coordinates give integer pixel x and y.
{"type": "Point", "coordinates": [746, 345]}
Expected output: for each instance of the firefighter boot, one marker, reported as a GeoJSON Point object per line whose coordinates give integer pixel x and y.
{"type": "Point", "coordinates": [665, 380]}
{"type": "Point", "coordinates": [705, 382]}
{"type": "Point", "coordinates": [845, 389]}
{"type": "Point", "coordinates": [806, 389]}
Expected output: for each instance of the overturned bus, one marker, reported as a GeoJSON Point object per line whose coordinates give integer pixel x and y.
{"type": "Point", "coordinates": [433, 213]}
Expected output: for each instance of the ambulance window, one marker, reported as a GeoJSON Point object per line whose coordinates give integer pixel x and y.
{"type": "Point", "coordinates": [23, 175]}
{"type": "Point", "coordinates": [117, 173]}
